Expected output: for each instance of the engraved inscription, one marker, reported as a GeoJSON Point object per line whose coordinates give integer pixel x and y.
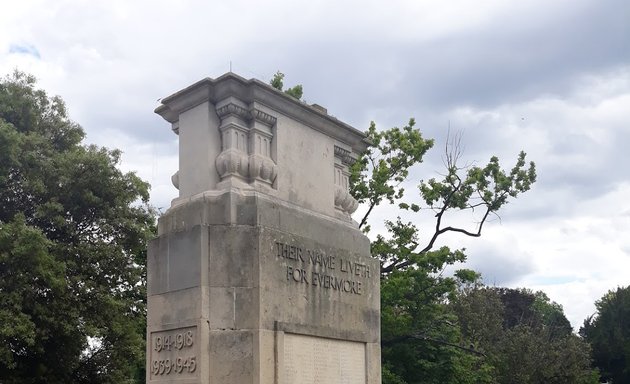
{"type": "Point", "coordinates": [173, 353]}
{"type": "Point", "coordinates": [316, 268]}
{"type": "Point", "coordinates": [316, 360]}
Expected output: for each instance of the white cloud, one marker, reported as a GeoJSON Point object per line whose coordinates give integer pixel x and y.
{"type": "Point", "coordinates": [551, 78]}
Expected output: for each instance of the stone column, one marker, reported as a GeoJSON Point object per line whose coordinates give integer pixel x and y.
{"type": "Point", "coordinates": [259, 274]}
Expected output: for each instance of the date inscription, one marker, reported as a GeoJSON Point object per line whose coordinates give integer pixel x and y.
{"type": "Point", "coordinates": [173, 353]}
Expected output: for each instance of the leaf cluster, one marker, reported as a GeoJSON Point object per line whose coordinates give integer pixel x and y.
{"type": "Point", "coordinates": [608, 332]}
{"type": "Point", "coordinates": [487, 186]}
{"type": "Point", "coordinates": [73, 236]}
{"type": "Point", "coordinates": [524, 336]}
{"type": "Point", "coordinates": [379, 172]}
{"type": "Point", "coordinates": [278, 83]}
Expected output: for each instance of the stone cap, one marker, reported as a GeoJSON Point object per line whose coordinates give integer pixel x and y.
{"type": "Point", "coordinates": [254, 90]}
{"type": "Point", "coordinates": [244, 135]}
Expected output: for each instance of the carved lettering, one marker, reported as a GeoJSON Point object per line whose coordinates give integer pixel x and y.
{"type": "Point", "coordinates": [316, 267]}
{"type": "Point", "coordinates": [173, 352]}
{"type": "Point", "coordinates": [317, 257]}
{"type": "Point", "coordinates": [290, 251]}
{"type": "Point", "coordinates": [178, 366]}
{"type": "Point", "coordinates": [296, 274]}
{"type": "Point", "coordinates": [354, 268]}
{"type": "Point", "coordinates": [335, 283]}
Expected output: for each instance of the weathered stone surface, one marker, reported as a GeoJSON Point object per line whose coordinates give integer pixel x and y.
{"type": "Point", "coordinates": [259, 274]}
{"type": "Point", "coordinates": [309, 359]}
{"type": "Point", "coordinates": [237, 133]}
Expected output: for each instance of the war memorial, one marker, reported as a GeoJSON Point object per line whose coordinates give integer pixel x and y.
{"type": "Point", "coordinates": [259, 275]}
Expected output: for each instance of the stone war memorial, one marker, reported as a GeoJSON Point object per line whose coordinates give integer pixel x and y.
{"type": "Point", "coordinates": [259, 275]}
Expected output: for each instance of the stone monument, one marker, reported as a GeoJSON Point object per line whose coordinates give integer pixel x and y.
{"type": "Point", "coordinates": [259, 275]}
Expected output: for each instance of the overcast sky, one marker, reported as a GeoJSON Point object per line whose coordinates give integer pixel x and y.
{"type": "Point", "coordinates": [550, 77]}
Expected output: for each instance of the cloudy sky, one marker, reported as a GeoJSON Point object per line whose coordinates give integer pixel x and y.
{"type": "Point", "coordinates": [550, 77]}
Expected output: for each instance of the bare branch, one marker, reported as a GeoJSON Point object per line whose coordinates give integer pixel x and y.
{"type": "Point", "coordinates": [453, 150]}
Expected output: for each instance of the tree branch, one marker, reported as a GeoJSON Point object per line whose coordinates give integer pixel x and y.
{"type": "Point", "coordinates": [365, 217]}
{"type": "Point", "coordinates": [439, 231]}
{"type": "Point", "coordinates": [399, 339]}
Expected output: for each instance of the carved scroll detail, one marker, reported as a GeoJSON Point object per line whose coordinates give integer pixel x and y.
{"type": "Point", "coordinates": [247, 135]}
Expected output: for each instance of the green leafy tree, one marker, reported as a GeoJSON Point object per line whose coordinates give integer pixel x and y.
{"type": "Point", "coordinates": [533, 309]}
{"type": "Point", "coordinates": [278, 83]}
{"type": "Point", "coordinates": [608, 332]}
{"type": "Point", "coordinates": [421, 342]}
{"type": "Point", "coordinates": [524, 336]}
{"type": "Point", "coordinates": [73, 233]}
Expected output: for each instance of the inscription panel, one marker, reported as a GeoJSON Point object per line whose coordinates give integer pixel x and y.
{"type": "Point", "coordinates": [316, 360]}
{"type": "Point", "coordinates": [173, 354]}
{"type": "Point", "coordinates": [323, 270]}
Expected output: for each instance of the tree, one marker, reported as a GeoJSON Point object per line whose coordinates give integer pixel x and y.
{"type": "Point", "coordinates": [278, 83]}
{"type": "Point", "coordinates": [526, 355]}
{"type": "Point", "coordinates": [525, 336]}
{"type": "Point", "coordinates": [420, 340]}
{"type": "Point", "coordinates": [608, 332]}
{"type": "Point", "coordinates": [533, 309]}
{"type": "Point", "coordinates": [73, 233]}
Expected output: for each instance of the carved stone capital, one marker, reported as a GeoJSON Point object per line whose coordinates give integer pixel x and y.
{"type": "Point", "coordinates": [246, 134]}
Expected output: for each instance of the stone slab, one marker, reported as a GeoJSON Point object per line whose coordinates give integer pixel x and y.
{"type": "Point", "coordinates": [317, 360]}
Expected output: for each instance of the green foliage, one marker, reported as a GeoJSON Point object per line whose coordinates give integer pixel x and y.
{"type": "Point", "coordinates": [525, 336]}
{"type": "Point", "coordinates": [489, 186]}
{"type": "Point", "coordinates": [278, 83]}
{"type": "Point", "coordinates": [421, 340]}
{"type": "Point", "coordinates": [380, 171]}
{"type": "Point", "coordinates": [608, 332]}
{"type": "Point", "coordinates": [527, 356]}
{"type": "Point", "coordinates": [73, 232]}
{"type": "Point", "coordinates": [25, 249]}
{"type": "Point", "coordinates": [295, 92]}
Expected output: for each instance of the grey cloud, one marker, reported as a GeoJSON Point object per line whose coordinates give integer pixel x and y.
{"type": "Point", "coordinates": [518, 58]}
{"type": "Point", "coordinates": [506, 61]}
{"type": "Point", "coordinates": [499, 265]}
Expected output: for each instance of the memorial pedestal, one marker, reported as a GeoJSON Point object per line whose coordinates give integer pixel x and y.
{"type": "Point", "coordinates": [260, 276]}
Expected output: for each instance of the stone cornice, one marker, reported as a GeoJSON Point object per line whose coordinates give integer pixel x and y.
{"type": "Point", "coordinates": [233, 109]}
{"type": "Point", "coordinates": [345, 156]}
{"type": "Point", "coordinates": [250, 91]}
{"type": "Point", "coordinates": [263, 117]}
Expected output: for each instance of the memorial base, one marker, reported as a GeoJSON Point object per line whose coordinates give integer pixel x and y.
{"type": "Point", "coordinates": [246, 288]}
